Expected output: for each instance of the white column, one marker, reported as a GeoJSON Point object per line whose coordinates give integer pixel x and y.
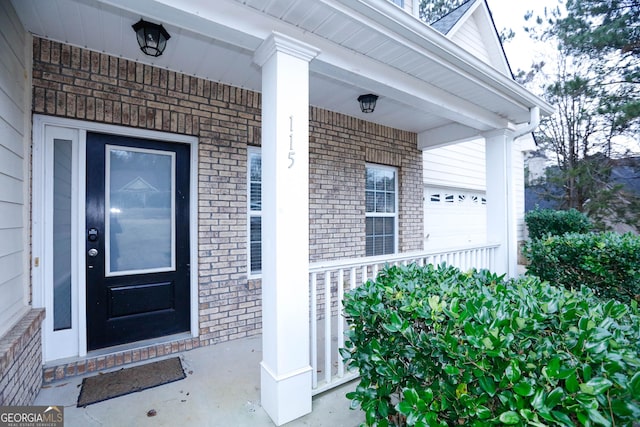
{"type": "Point", "coordinates": [285, 368]}
{"type": "Point", "coordinates": [501, 213]}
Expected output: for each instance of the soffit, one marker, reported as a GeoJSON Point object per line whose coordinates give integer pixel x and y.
{"type": "Point", "coordinates": [366, 46]}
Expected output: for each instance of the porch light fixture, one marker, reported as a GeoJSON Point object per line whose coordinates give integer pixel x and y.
{"type": "Point", "coordinates": [367, 102]}
{"type": "Point", "coordinates": [152, 38]}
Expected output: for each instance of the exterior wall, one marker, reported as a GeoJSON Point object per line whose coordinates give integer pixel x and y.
{"type": "Point", "coordinates": [77, 83]}
{"type": "Point", "coordinates": [462, 166]}
{"type": "Point", "coordinates": [340, 148]}
{"type": "Point", "coordinates": [20, 328]}
{"type": "Point", "coordinates": [14, 167]}
{"type": "Point", "coordinates": [470, 37]}
{"type": "Point", "coordinates": [456, 166]}
{"type": "Point", "coordinates": [21, 361]}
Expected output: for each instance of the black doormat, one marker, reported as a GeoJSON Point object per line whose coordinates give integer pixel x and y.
{"type": "Point", "coordinates": [119, 383]}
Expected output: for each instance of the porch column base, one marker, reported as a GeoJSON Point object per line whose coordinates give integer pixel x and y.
{"type": "Point", "coordinates": [285, 397]}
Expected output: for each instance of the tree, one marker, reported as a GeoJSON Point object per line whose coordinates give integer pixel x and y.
{"type": "Point", "coordinates": [580, 139]}
{"type": "Point", "coordinates": [602, 26]}
{"type": "Point", "coordinates": [608, 33]}
{"type": "Point", "coordinates": [597, 103]}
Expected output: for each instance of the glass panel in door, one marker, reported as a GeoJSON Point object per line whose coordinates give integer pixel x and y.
{"type": "Point", "coordinates": [140, 211]}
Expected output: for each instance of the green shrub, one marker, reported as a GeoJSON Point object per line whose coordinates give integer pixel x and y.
{"type": "Point", "coordinates": [608, 263]}
{"type": "Point", "coordinates": [439, 347]}
{"type": "Point", "coordinates": [541, 222]}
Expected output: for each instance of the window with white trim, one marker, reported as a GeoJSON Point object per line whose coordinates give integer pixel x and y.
{"type": "Point", "coordinates": [381, 210]}
{"type": "Point", "coordinates": [254, 220]}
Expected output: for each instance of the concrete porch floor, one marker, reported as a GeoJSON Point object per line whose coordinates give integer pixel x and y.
{"type": "Point", "coordinates": [222, 388]}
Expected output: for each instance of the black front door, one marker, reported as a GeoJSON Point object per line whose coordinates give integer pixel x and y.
{"type": "Point", "coordinates": [137, 239]}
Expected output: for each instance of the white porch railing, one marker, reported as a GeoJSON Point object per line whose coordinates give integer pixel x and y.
{"type": "Point", "coordinates": [330, 279]}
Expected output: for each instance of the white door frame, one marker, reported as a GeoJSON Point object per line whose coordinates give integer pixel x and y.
{"type": "Point", "coordinates": [73, 342]}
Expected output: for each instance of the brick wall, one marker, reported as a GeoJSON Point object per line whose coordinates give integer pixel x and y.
{"type": "Point", "coordinates": [81, 84]}
{"type": "Point", "coordinates": [21, 361]}
{"type": "Point", "coordinates": [77, 83]}
{"type": "Point", "coordinates": [340, 147]}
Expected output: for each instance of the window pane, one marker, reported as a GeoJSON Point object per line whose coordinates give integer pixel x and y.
{"type": "Point", "coordinates": [370, 184]}
{"type": "Point", "coordinates": [378, 227]}
{"type": "Point", "coordinates": [390, 181]}
{"type": "Point", "coordinates": [377, 246]}
{"type": "Point", "coordinates": [62, 194]}
{"type": "Point", "coordinates": [140, 211]}
{"type": "Point", "coordinates": [255, 236]}
{"type": "Point", "coordinates": [388, 245]}
{"type": "Point", "coordinates": [255, 181]}
{"type": "Point", "coordinates": [369, 249]}
{"type": "Point", "coordinates": [370, 204]}
{"type": "Point", "coordinates": [380, 202]}
{"type": "Point", "coordinates": [388, 226]}
{"type": "Point", "coordinates": [390, 200]}
{"type": "Point", "coordinates": [380, 199]}
{"type": "Point", "coordinates": [380, 235]}
{"type": "Point", "coordinates": [256, 167]}
{"type": "Point", "coordinates": [256, 196]}
{"type": "Point", "coordinates": [255, 206]}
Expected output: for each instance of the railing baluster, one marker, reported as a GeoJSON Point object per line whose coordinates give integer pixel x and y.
{"type": "Point", "coordinates": [327, 326]}
{"type": "Point", "coordinates": [359, 271]}
{"type": "Point", "coordinates": [340, 322]}
{"type": "Point", "coordinates": [314, 330]}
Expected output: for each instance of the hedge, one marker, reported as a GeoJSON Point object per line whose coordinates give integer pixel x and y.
{"type": "Point", "coordinates": [608, 263]}
{"type": "Point", "coordinates": [542, 222]}
{"type": "Point", "coordinates": [439, 347]}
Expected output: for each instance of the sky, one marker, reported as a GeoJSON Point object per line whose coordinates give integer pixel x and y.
{"type": "Point", "coordinates": [510, 14]}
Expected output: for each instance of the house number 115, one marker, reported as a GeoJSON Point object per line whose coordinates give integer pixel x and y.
{"type": "Point", "coordinates": [291, 152]}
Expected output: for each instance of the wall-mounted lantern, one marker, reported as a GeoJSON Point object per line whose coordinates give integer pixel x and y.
{"type": "Point", "coordinates": [367, 102]}
{"type": "Point", "coordinates": [152, 38]}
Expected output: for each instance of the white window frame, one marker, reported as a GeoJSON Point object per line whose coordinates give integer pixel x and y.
{"type": "Point", "coordinates": [251, 152]}
{"type": "Point", "coordinates": [393, 215]}
{"type": "Point", "coordinates": [107, 214]}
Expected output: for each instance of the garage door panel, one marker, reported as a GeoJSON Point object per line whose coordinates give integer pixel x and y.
{"type": "Point", "coordinates": [453, 217]}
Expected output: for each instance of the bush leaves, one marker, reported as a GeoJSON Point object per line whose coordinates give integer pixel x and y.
{"type": "Point", "coordinates": [436, 346]}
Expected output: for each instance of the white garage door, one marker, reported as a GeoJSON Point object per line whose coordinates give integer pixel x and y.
{"type": "Point", "coordinates": [454, 217]}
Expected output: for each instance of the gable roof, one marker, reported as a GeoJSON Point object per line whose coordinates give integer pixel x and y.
{"type": "Point", "coordinates": [471, 25]}
{"type": "Point", "coordinates": [138, 185]}
{"type": "Point", "coordinates": [446, 23]}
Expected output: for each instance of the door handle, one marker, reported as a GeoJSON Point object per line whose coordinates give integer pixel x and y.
{"type": "Point", "coordinates": [92, 252]}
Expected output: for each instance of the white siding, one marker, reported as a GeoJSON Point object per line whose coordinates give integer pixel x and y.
{"type": "Point", "coordinates": [457, 166]}
{"type": "Point", "coordinates": [15, 65]}
{"type": "Point", "coordinates": [470, 38]}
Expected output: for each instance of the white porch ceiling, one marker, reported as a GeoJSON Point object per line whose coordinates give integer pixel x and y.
{"type": "Point", "coordinates": [424, 81]}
